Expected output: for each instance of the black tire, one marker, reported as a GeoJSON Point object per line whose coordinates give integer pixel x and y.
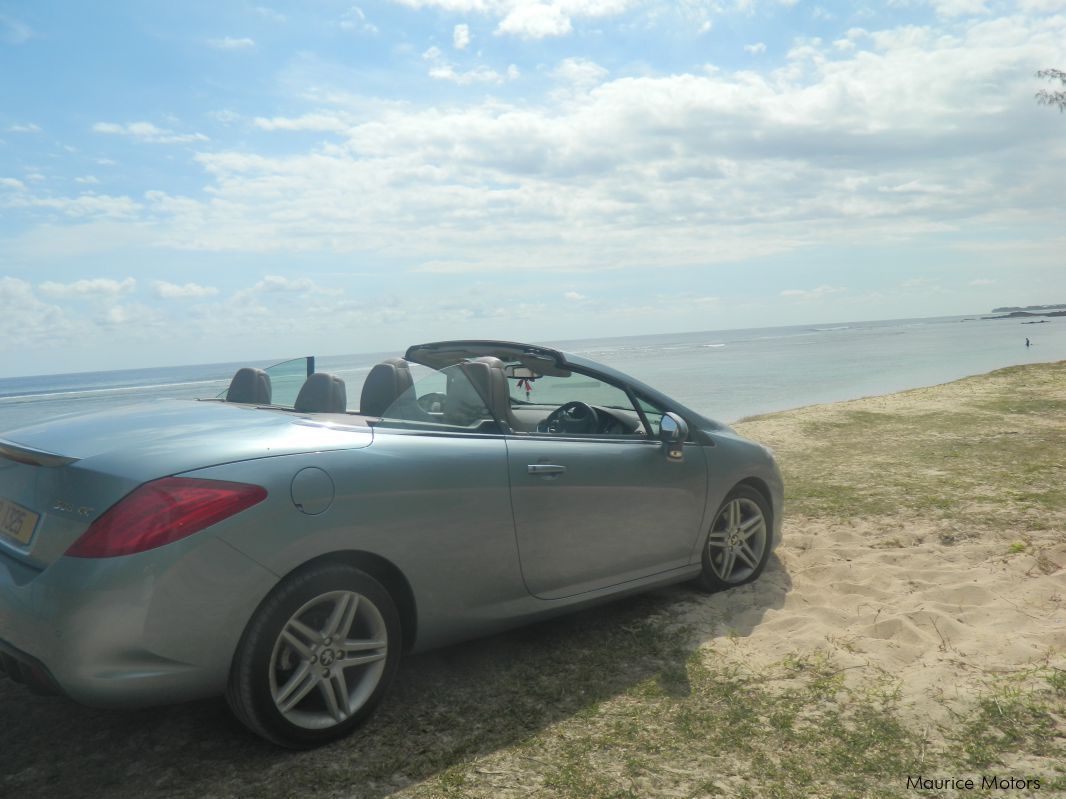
{"type": "Point", "coordinates": [737, 547]}
{"type": "Point", "coordinates": [284, 682]}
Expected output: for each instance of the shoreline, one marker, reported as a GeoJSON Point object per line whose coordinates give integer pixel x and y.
{"type": "Point", "coordinates": [726, 375]}
{"type": "Point", "coordinates": [881, 395]}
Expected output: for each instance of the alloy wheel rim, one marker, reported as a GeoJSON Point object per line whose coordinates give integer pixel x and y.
{"type": "Point", "coordinates": [328, 659]}
{"type": "Point", "coordinates": [737, 540]}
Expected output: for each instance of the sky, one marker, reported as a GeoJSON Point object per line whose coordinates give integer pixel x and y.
{"type": "Point", "coordinates": [203, 182]}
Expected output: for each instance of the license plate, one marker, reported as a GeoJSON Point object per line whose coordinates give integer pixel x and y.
{"type": "Point", "coordinates": [16, 521]}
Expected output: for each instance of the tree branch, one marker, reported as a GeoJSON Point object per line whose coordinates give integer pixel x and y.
{"type": "Point", "coordinates": [1044, 97]}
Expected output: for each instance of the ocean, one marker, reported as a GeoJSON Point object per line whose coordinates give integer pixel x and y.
{"type": "Point", "coordinates": [726, 374]}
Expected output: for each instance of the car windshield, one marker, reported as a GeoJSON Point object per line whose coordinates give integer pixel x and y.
{"type": "Point", "coordinates": [558, 389]}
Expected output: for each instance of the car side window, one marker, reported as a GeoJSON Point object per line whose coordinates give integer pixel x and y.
{"type": "Point", "coordinates": [572, 404]}
{"type": "Point", "coordinates": [653, 413]}
{"type": "Point", "coordinates": [444, 399]}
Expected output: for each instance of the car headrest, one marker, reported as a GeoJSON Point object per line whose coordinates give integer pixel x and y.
{"type": "Point", "coordinates": [385, 383]}
{"type": "Point", "coordinates": [322, 393]}
{"type": "Point", "coordinates": [488, 375]}
{"type": "Point", "coordinates": [249, 385]}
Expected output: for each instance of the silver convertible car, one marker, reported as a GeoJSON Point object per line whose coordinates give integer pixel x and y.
{"type": "Point", "coordinates": [275, 546]}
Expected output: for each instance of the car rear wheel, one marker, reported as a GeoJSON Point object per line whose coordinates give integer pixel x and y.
{"type": "Point", "coordinates": [738, 543]}
{"type": "Point", "coordinates": [316, 657]}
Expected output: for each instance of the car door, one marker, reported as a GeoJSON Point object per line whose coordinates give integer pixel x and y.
{"type": "Point", "coordinates": [595, 511]}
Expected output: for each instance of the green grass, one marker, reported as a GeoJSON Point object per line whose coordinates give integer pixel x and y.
{"type": "Point", "coordinates": [795, 729]}
{"type": "Point", "coordinates": [1017, 713]}
{"type": "Point", "coordinates": [988, 459]}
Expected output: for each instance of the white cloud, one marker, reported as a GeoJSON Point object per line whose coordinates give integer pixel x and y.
{"type": "Point", "coordinates": [573, 296]}
{"type": "Point", "coordinates": [535, 21]}
{"type": "Point", "coordinates": [580, 71]}
{"type": "Point", "coordinates": [91, 287]}
{"type": "Point", "coordinates": [85, 205]}
{"type": "Point", "coordinates": [757, 163]}
{"type": "Point", "coordinates": [136, 315]}
{"type": "Point", "coordinates": [982, 282]}
{"type": "Point", "coordinates": [812, 294]}
{"type": "Point", "coordinates": [12, 183]}
{"type": "Point", "coordinates": [270, 302]}
{"type": "Point", "coordinates": [232, 43]}
{"type": "Point", "coordinates": [686, 169]}
{"type": "Point", "coordinates": [225, 116]}
{"type": "Point", "coordinates": [87, 180]}
{"type": "Point", "coordinates": [354, 19]}
{"type": "Point", "coordinates": [14, 31]}
{"type": "Point", "coordinates": [586, 8]}
{"type": "Point", "coordinates": [461, 37]}
{"type": "Point", "coordinates": [959, 8]}
{"type": "Point", "coordinates": [594, 8]}
{"type": "Point", "coordinates": [270, 14]}
{"type": "Point", "coordinates": [1042, 6]}
{"type": "Point", "coordinates": [530, 19]}
{"type": "Point", "coordinates": [319, 122]}
{"type": "Point", "coordinates": [441, 69]}
{"type": "Point", "coordinates": [755, 49]}
{"type": "Point", "coordinates": [27, 127]}
{"type": "Point", "coordinates": [272, 284]}
{"type": "Point", "coordinates": [147, 132]}
{"type": "Point", "coordinates": [174, 291]}
{"type": "Point", "coordinates": [475, 75]}
{"type": "Point", "coordinates": [27, 321]}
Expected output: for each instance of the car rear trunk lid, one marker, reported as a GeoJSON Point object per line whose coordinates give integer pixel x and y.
{"type": "Point", "coordinates": [57, 477]}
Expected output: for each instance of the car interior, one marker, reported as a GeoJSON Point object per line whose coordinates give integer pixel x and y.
{"type": "Point", "coordinates": [537, 398]}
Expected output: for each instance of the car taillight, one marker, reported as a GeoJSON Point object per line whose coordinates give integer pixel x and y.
{"type": "Point", "coordinates": [161, 512]}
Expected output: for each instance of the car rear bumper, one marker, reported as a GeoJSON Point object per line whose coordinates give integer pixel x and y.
{"type": "Point", "coordinates": [27, 669]}
{"type": "Point", "coordinates": [146, 629]}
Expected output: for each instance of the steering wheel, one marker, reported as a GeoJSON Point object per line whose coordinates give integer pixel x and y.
{"type": "Point", "coordinates": [573, 417]}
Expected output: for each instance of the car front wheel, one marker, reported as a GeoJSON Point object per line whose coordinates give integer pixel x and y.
{"type": "Point", "coordinates": [738, 543]}
{"type": "Point", "coordinates": [316, 657]}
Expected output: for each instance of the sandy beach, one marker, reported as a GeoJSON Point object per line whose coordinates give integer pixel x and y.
{"type": "Point", "coordinates": [911, 626]}
{"type": "Point", "coordinates": [941, 592]}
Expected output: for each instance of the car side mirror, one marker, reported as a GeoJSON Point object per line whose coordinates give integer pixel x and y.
{"type": "Point", "coordinates": [673, 430]}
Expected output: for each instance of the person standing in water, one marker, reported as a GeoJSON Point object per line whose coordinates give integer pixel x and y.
{"type": "Point", "coordinates": [1026, 341]}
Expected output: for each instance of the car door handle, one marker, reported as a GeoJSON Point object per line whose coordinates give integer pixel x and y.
{"type": "Point", "coordinates": [545, 468]}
